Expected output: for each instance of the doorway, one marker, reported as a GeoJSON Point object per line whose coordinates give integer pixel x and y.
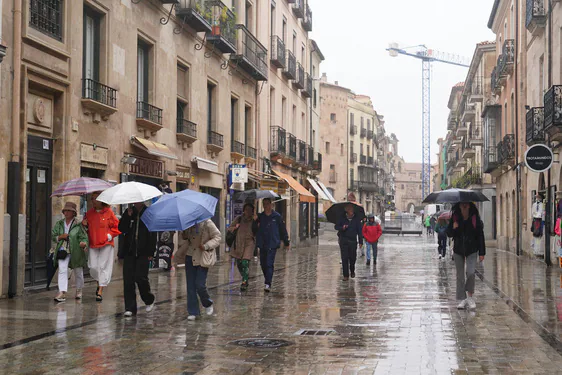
{"type": "Point", "coordinates": [303, 221]}
{"type": "Point", "coordinates": [217, 194]}
{"type": "Point", "coordinates": [38, 181]}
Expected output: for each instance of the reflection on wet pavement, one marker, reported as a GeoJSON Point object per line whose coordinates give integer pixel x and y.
{"type": "Point", "coordinates": [399, 318]}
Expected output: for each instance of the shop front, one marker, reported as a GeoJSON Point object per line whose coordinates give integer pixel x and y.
{"type": "Point", "coordinates": [210, 181]}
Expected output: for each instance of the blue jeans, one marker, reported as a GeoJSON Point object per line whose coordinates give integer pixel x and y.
{"type": "Point", "coordinates": [267, 262]}
{"type": "Point", "coordinates": [442, 240]}
{"type": "Point", "coordinates": [373, 246]}
{"type": "Point", "coordinates": [196, 279]}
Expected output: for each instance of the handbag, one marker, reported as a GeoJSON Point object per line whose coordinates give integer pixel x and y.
{"type": "Point", "coordinates": [208, 258]}
{"type": "Point", "coordinates": [231, 238]}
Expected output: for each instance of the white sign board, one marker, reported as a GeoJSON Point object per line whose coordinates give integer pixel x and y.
{"type": "Point", "coordinates": [239, 174]}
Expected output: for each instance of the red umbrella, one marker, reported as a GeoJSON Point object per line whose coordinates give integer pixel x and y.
{"type": "Point", "coordinates": [445, 216]}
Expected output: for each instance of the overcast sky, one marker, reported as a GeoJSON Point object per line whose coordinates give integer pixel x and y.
{"type": "Point", "coordinates": [353, 36]}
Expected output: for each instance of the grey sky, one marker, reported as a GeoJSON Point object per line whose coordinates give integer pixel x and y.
{"type": "Point", "coordinates": [354, 34]}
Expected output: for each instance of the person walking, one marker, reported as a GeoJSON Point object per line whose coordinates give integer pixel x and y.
{"type": "Point", "coordinates": [427, 224]}
{"type": "Point", "coordinates": [372, 231]}
{"type": "Point", "coordinates": [102, 227]}
{"type": "Point", "coordinates": [467, 230]}
{"type": "Point", "coordinates": [349, 233]}
{"type": "Point", "coordinates": [202, 237]}
{"type": "Point", "coordinates": [271, 231]}
{"type": "Point", "coordinates": [432, 223]}
{"type": "Point", "coordinates": [441, 229]}
{"type": "Point", "coordinates": [246, 228]}
{"type": "Point", "coordinates": [137, 251]}
{"type": "Point", "coordinates": [70, 250]}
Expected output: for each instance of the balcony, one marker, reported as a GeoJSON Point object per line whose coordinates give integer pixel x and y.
{"type": "Point", "coordinates": [307, 22]}
{"type": "Point", "coordinates": [495, 82]}
{"type": "Point", "coordinates": [553, 112]}
{"type": "Point", "coordinates": [506, 149]}
{"type": "Point", "coordinates": [298, 83]}
{"type": "Point", "coordinates": [196, 14]}
{"type": "Point", "coordinates": [476, 90]}
{"type": "Point", "coordinates": [307, 92]}
{"type": "Point", "coordinates": [149, 117]}
{"type": "Point", "coordinates": [215, 142]}
{"type": "Point", "coordinates": [353, 158]}
{"type": "Point", "coordinates": [237, 150]}
{"type": "Point", "coordinates": [471, 177]}
{"type": "Point", "coordinates": [223, 31]}
{"type": "Point", "coordinates": [536, 17]}
{"type": "Point", "coordinates": [452, 122]}
{"type": "Point", "coordinates": [467, 151]}
{"type": "Point", "coordinates": [363, 159]}
{"type": "Point", "coordinates": [317, 164]}
{"type": "Point", "coordinates": [505, 64]}
{"type": "Point", "coordinates": [251, 55]}
{"type": "Point", "coordinates": [367, 186]}
{"type": "Point", "coordinates": [462, 129]}
{"type": "Point", "coordinates": [278, 58]}
{"type": "Point", "coordinates": [278, 142]}
{"type": "Point", "coordinates": [98, 97]}
{"type": "Point", "coordinates": [186, 131]}
{"type": "Point", "coordinates": [475, 134]}
{"type": "Point", "coordinates": [370, 134]}
{"type": "Point", "coordinates": [352, 129]}
{"type": "Point", "coordinates": [290, 71]}
{"type": "Point", "coordinates": [370, 161]}
{"type": "Point", "coordinates": [333, 177]}
{"type": "Point", "coordinates": [309, 157]}
{"type": "Point", "coordinates": [298, 8]}
{"type": "Point", "coordinates": [535, 126]}
{"type": "Point", "coordinates": [363, 133]}
{"type": "Point", "coordinates": [251, 154]}
{"type": "Point", "coordinates": [301, 148]}
{"type": "Point", "coordinates": [292, 140]}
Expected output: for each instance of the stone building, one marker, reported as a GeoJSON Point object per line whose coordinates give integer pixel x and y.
{"type": "Point", "coordinates": [152, 91]}
{"type": "Point", "coordinates": [408, 185]}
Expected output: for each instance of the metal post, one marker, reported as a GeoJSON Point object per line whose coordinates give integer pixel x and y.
{"type": "Point", "coordinates": [549, 198]}
{"type": "Point", "coordinates": [426, 127]}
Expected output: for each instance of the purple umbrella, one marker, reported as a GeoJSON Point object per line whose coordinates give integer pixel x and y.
{"type": "Point", "coordinates": [81, 186]}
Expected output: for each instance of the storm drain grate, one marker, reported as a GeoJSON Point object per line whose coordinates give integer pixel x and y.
{"type": "Point", "coordinates": [262, 343]}
{"type": "Point", "coordinates": [315, 332]}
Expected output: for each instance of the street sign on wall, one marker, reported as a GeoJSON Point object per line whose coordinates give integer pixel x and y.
{"type": "Point", "coordinates": [539, 158]}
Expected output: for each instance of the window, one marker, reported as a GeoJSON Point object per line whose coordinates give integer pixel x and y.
{"type": "Point", "coordinates": [294, 42]}
{"type": "Point", "coordinates": [314, 98]}
{"type": "Point", "coordinates": [91, 54]}
{"type": "Point", "coordinates": [361, 149]}
{"type": "Point", "coordinates": [352, 119]}
{"type": "Point", "coordinates": [294, 120]}
{"type": "Point", "coordinates": [368, 150]}
{"type": "Point", "coordinates": [273, 19]}
{"type": "Point", "coordinates": [351, 147]}
{"type": "Point", "coordinates": [328, 148]}
{"type": "Point", "coordinates": [143, 51]}
{"type": "Point", "coordinates": [303, 55]}
{"type": "Point", "coordinates": [313, 140]}
{"type": "Point", "coordinates": [249, 17]}
{"type": "Point", "coordinates": [513, 112]}
{"type": "Point", "coordinates": [183, 83]}
{"type": "Point", "coordinates": [332, 167]}
{"type": "Point", "coordinates": [181, 112]}
{"type": "Point", "coordinates": [272, 107]}
{"type": "Point", "coordinates": [284, 31]}
{"type": "Point", "coordinates": [402, 186]}
{"type": "Point", "coordinates": [505, 116]}
{"type": "Point", "coordinates": [541, 78]}
{"type": "Point", "coordinates": [368, 124]}
{"type": "Point", "coordinates": [284, 112]}
{"type": "Point", "coordinates": [248, 128]}
{"type": "Point", "coordinates": [333, 117]}
{"type": "Point", "coordinates": [234, 118]}
{"type": "Point", "coordinates": [211, 92]}
{"type": "Point", "coordinates": [342, 151]}
{"type": "Point", "coordinates": [46, 16]}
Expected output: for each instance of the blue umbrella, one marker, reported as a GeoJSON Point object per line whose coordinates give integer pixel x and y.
{"type": "Point", "coordinates": [179, 211]}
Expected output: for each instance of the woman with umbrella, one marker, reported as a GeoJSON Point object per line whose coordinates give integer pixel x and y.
{"type": "Point", "coordinates": [71, 241]}
{"type": "Point", "coordinates": [347, 216]}
{"type": "Point", "coordinates": [441, 230]}
{"type": "Point", "coordinates": [246, 228]}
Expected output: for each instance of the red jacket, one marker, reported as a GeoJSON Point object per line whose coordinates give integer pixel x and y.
{"type": "Point", "coordinates": [372, 233]}
{"type": "Point", "coordinates": [100, 224]}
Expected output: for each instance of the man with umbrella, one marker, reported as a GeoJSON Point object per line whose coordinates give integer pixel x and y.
{"type": "Point", "coordinates": [349, 232]}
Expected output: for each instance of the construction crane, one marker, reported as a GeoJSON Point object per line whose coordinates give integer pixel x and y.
{"type": "Point", "coordinates": [427, 56]}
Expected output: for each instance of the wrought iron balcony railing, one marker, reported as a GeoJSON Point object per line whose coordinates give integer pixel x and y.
{"type": "Point", "coordinates": [298, 8]}
{"type": "Point", "coordinates": [187, 128]}
{"type": "Point", "coordinates": [307, 22]}
{"type": "Point", "coordinates": [195, 13]}
{"type": "Point", "coordinates": [495, 81]}
{"type": "Point", "coordinates": [490, 159]}
{"type": "Point", "coordinates": [476, 87]}
{"type": "Point", "coordinates": [278, 58]}
{"type": "Point", "coordinates": [363, 159]}
{"type": "Point", "coordinates": [278, 140]}
{"type": "Point", "coordinates": [238, 148]}
{"type": "Point", "coordinates": [317, 166]}
{"type": "Point", "coordinates": [506, 149]}
{"type": "Point", "coordinates": [215, 139]}
{"type": "Point", "coordinates": [251, 55]}
{"type": "Point", "coordinates": [292, 146]}
{"type": "Point", "coordinates": [507, 58]}
{"type": "Point", "coordinates": [251, 153]}
{"type": "Point", "coordinates": [553, 109]}
{"type": "Point", "coordinates": [536, 15]}
{"type": "Point", "coordinates": [290, 71]}
{"type": "Point", "coordinates": [370, 161]}
{"type": "Point", "coordinates": [301, 145]}
{"type": "Point", "coordinates": [353, 129]}
{"type": "Point", "coordinates": [307, 91]}
{"type": "Point", "coordinates": [535, 126]}
{"type": "Point", "coordinates": [363, 133]}
{"type": "Point", "coordinates": [369, 134]}
{"type": "Point", "coordinates": [149, 112]}
{"type": "Point", "coordinates": [223, 32]}
{"type": "Point", "coordinates": [299, 79]}
{"type": "Point", "coordinates": [99, 92]}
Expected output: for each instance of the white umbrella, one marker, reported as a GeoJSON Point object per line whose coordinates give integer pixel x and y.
{"type": "Point", "coordinates": [129, 192]}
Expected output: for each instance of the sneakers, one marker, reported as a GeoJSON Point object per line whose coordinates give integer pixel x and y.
{"type": "Point", "coordinates": [191, 317]}
{"type": "Point", "coordinates": [462, 305]}
{"type": "Point", "coordinates": [78, 293]}
{"type": "Point", "coordinates": [150, 307]}
{"type": "Point", "coordinates": [471, 303]}
{"type": "Point", "coordinates": [128, 314]}
{"type": "Point", "coordinates": [209, 310]}
{"type": "Point", "coordinates": [61, 297]}
{"type": "Point", "coordinates": [267, 288]}
{"type": "Point", "coordinates": [368, 262]}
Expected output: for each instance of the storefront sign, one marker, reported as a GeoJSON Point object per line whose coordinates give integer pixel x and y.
{"type": "Point", "coordinates": [147, 167]}
{"type": "Point", "coordinates": [272, 185]}
{"type": "Point", "coordinates": [95, 155]}
{"type": "Point", "coordinates": [539, 158]}
{"type": "Point", "coordinates": [183, 174]}
{"type": "Point", "coordinates": [239, 173]}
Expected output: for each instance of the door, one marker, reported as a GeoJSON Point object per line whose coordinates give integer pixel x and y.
{"type": "Point", "coordinates": [217, 194]}
{"type": "Point", "coordinates": [314, 220]}
{"type": "Point", "coordinates": [303, 220]}
{"type": "Point", "coordinates": [494, 218]}
{"type": "Point", "coordinates": [38, 209]}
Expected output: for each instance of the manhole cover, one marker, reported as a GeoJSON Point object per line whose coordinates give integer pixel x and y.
{"type": "Point", "coordinates": [262, 343]}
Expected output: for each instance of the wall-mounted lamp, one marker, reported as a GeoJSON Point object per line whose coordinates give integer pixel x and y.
{"type": "Point", "coordinates": [129, 160]}
{"type": "Point", "coordinates": [171, 173]}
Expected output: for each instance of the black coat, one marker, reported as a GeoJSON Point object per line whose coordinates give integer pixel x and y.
{"type": "Point", "coordinates": [469, 236]}
{"type": "Point", "coordinates": [146, 244]}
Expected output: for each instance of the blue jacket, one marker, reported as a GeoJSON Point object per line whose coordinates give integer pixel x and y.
{"type": "Point", "coordinates": [354, 229]}
{"type": "Point", "coordinates": [271, 231]}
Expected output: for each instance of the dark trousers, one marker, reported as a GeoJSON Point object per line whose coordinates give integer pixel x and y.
{"type": "Point", "coordinates": [196, 279]}
{"type": "Point", "coordinates": [135, 271]}
{"type": "Point", "coordinates": [267, 262]}
{"type": "Point", "coordinates": [348, 250]}
{"type": "Point", "coordinates": [442, 241]}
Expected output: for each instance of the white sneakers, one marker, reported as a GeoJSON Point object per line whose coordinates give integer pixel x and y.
{"type": "Point", "coordinates": [267, 288]}
{"type": "Point", "coordinates": [128, 314]}
{"type": "Point", "coordinates": [191, 317]}
{"type": "Point", "coordinates": [469, 302]}
{"type": "Point", "coordinates": [151, 307]}
{"type": "Point", "coordinates": [209, 310]}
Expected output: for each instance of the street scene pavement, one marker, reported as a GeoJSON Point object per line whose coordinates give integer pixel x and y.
{"type": "Point", "coordinates": [398, 317]}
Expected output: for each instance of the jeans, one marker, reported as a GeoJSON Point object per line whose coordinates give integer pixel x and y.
{"type": "Point", "coordinates": [373, 246]}
{"type": "Point", "coordinates": [267, 262]}
{"type": "Point", "coordinates": [196, 278]}
{"type": "Point", "coordinates": [348, 250]}
{"type": "Point", "coordinates": [465, 285]}
{"type": "Point", "coordinates": [442, 249]}
{"type": "Point", "coordinates": [135, 271]}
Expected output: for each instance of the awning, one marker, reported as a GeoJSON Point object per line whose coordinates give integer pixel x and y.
{"type": "Point", "coordinates": [207, 165]}
{"type": "Point", "coordinates": [153, 148]}
{"type": "Point", "coordinates": [328, 194]}
{"type": "Point", "coordinates": [304, 195]}
{"type": "Point", "coordinates": [318, 189]}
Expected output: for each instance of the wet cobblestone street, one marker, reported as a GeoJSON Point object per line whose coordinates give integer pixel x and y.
{"type": "Point", "coordinates": [399, 317]}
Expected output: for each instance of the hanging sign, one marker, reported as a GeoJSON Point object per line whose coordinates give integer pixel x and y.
{"type": "Point", "coordinates": [239, 173]}
{"type": "Point", "coordinates": [539, 158]}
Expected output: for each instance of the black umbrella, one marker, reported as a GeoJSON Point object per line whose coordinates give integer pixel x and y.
{"type": "Point", "coordinates": [51, 269]}
{"type": "Point", "coordinates": [337, 211]}
{"type": "Point", "coordinates": [455, 196]}
{"type": "Point", "coordinates": [254, 194]}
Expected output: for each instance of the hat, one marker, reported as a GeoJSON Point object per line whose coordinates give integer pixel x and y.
{"type": "Point", "coordinates": [69, 206]}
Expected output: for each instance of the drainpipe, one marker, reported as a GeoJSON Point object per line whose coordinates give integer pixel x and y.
{"type": "Point", "coordinates": [549, 198]}
{"type": "Point", "coordinates": [518, 165]}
